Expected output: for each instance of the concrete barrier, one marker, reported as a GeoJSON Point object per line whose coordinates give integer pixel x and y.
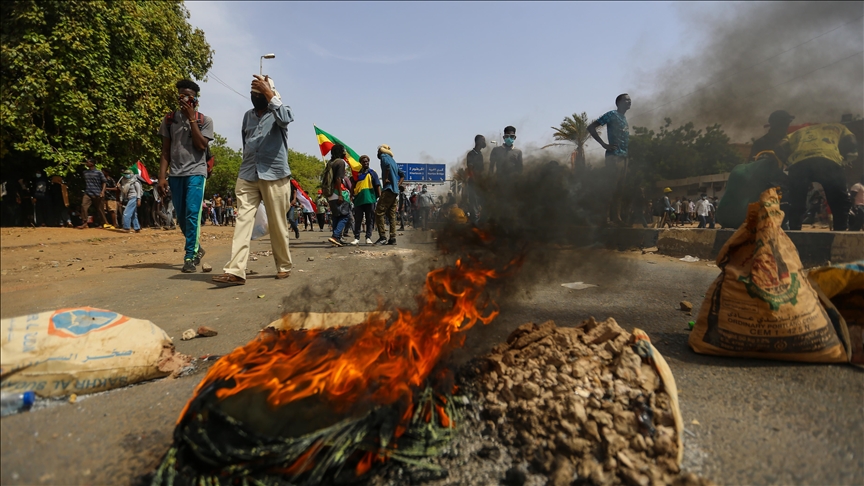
{"type": "Point", "coordinates": [814, 248]}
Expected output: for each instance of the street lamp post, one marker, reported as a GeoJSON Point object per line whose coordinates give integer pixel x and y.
{"type": "Point", "coordinates": [261, 63]}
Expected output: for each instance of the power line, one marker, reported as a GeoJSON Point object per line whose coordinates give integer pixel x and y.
{"type": "Point", "coordinates": [746, 69]}
{"type": "Point", "coordinates": [223, 83]}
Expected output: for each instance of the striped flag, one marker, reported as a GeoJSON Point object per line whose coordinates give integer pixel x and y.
{"type": "Point", "coordinates": [327, 141]}
{"type": "Point", "coordinates": [303, 198]}
{"type": "Point", "coordinates": [141, 172]}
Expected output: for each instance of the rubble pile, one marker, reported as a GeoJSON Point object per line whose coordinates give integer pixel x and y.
{"type": "Point", "coordinates": [584, 403]}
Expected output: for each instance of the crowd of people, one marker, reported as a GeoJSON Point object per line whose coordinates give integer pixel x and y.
{"type": "Point", "coordinates": [358, 201]}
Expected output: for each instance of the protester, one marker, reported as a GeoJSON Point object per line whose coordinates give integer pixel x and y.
{"type": "Point", "coordinates": [367, 190]}
{"type": "Point", "coordinates": [391, 178]}
{"type": "Point", "coordinates": [292, 212]}
{"type": "Point", "coordinates": [703, 210]}
{"type": "Point", "coordinates": [264, 176]}
{"type": "Point", "coordinates": [164, 209]}
{"type": "Point", "coordinates": [308, 223]}
{"type": "Point", "coordinates": [691, 210]}
{"type": "Point", "coordinates": [403, 207]}
{"type": "Point", "coordinates": [332, 187]}
{"type": "Point", "coordinates": [41, 199]}
{"type": "Point", "coordinates": [857, 220]}
{"type": "Point", "coordinates": [217, 205]}
{"type": "Point", "coordinates": [112, 193]}
{"type": "Point", "coordinates": [186, 133]}
{"type": "Point", "coordinates": [322, 205]}
{"type": "Point", "coordinates": [817, 154]}
{"type": "Point", "coordinates": [664, 207]}
{"type": "Point", "coordinates": [506, 162]}
{"type": "Point", "coordinates": [24, 199]}
{"type": "Point", "coordinates": [425, 204]}
{"type": "Point", "coordinates": [94, 190]}
{"type": "Point", "coordinates": [778, 126]}
{"type": "Point", "coordinates": [746, 183]}
{"type": "Point", "coordinates": [474, 170]}
{"type": "Point", "coordinates": [618, 133]}
{"type": "Point", "coordinates": [59, 197]}
{"type": "Point", "coordinates": [130, 196]}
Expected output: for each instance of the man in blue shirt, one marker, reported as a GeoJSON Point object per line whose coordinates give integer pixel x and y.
{"type": "Point", "coordinates": [618, 132]}
{"type": "Point", "coordinates": [263, 177]}
{"type": "Point", "coordinates": [391, 179]}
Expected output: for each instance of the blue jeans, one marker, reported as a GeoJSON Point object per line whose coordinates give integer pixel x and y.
{"type": "Point", "coordinates": [130, 215]}
{"type": "Point", "coordinates": [339, 221]}
{"type": "Point", "coordinates": [187, 193]}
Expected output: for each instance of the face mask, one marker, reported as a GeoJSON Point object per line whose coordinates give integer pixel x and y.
{"type": "Point", "coordinates": [509, 141]}
{"type": "Point", "coordinates": [38, 174]}
{"type": "Point", "coordinates": [259, 101]}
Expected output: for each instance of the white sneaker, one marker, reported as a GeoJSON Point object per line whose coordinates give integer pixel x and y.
{"type": "Point", "coordinates": [355, 242]}
{"type": "Point", "coordinates": [368, 241]}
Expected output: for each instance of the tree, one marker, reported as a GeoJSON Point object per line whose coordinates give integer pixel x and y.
{"type": "Point", "coordinates": [573, 130]}
{"type": "Point", "coordinates": [91, 77]}
{"type": "Point", "coordinates": [307, 170]}
{"type": "Point", "coordinates": [680, 152]}
{"type": "Point", "coordinates": [227, 166]}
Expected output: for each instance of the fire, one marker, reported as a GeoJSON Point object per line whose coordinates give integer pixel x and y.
{"type": "Point", "coordinates": [371, 364]}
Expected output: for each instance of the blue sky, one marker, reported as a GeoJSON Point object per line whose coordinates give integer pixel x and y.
{"type": "Point", "coordinates": [426, 77]}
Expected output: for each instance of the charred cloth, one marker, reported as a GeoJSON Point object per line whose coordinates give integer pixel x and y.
{"type": "Point", "coordinates": [241, 438]}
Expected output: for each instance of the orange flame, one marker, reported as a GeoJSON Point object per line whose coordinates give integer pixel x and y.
{"type": "Point", "coordinates": [375, 361]}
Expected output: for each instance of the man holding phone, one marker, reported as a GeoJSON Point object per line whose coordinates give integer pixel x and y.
{"type": "Point", "coordinates": [185, 135]}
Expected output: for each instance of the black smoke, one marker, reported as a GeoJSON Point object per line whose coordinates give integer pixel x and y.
{"type": "Point", "coordinates": [752, 58]}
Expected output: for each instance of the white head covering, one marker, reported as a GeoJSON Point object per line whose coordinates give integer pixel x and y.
{"type": "Point", "coordinates": [272, 86]}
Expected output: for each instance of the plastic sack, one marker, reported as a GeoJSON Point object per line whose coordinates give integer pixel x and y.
{"type": "Point", "coordinates": [761, 305]}
{"type": "Point", "coordinates": [82, 350]}
{"type": "Point", "coordinates": [842, 291]}
{"type": "Point", "coordinates": [260, 229]}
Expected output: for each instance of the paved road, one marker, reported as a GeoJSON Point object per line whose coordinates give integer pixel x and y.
{"type": "Point", "coordinates": [759, 422]}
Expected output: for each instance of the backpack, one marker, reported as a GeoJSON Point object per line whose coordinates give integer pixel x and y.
{"type": "Point", "coordinates": [211, 160]}
{"type": "Point", "coordinates": [327, 181]}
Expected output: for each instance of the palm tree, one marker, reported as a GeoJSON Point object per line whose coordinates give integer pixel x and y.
{"type": "Point", "coordinates": [573, 130]}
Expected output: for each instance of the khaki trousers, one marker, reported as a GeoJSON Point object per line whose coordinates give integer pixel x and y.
{"type": "Point", "coordinates": [95, 201]}
{"type": "Point", "coordinates": [277, 200]}
{"type": "Point", "coordinates": [386, 207]}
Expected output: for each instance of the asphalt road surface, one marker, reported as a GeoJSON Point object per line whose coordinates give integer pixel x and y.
{"type": "Point", "coordinates": [747, 421]}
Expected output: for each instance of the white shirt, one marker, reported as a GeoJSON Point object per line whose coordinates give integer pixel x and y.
{"type": "Point", "coordinates": [691, 207]}
{"type": "Point", "coordinates": [703, 207]}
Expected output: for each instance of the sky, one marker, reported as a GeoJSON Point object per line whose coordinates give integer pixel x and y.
{"type": "Point", "coordinates": [425, 77]}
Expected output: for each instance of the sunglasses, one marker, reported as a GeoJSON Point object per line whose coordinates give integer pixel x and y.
{"type": "Point", "coordinates": [510, 135]}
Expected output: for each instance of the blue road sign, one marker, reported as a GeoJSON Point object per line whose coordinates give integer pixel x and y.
{"type": "Point", "coordinates": [424, 172]}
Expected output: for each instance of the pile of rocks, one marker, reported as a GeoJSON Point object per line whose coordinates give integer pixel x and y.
{"type": "Point", "coordinates": [580, 404]}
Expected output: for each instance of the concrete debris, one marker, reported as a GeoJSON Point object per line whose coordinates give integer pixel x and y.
{"type": "Point", "coordinates": [686, 306]}
{"type": "Point", "coordinates": [579, 402]}
{"type": "Point", "coordinates": [206, 268]}
{"type": "Point", "coordinates": [689, 259]}
{"type": "Point", "coordinates": [188, 334]}
{"type": "Point", "coordinates": [205, 331]}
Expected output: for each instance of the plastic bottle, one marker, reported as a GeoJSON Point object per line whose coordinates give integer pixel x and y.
{"type": "Point", "coordinates": [12, 403]}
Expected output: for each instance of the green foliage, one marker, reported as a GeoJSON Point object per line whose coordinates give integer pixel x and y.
{"type": "Point", "coordinates": [304, 167]}
{"type": "Point", "coordinates": [680, 152]}
{"type": "Point", "coordinates": [227, 167]}
{"type": "Point", "coordinates": [84, 77]}
{"type": "Point", "coordinates": [307, 170]}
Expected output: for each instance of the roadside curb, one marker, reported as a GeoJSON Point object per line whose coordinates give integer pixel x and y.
{"type": "Point", "coordinates": [814, 248]}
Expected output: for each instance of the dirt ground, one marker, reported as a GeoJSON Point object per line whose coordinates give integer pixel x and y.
{"type": "Point", "coordinates": [747, 421]}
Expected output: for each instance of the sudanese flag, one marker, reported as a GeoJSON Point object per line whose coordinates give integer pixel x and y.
{"type": "Point", "coordinates": [141, 171]}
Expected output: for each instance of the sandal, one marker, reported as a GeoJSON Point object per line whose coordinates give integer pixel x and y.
{"type": "Point", "coordinates": [227, 278]}
{"type": "Point", "coordinates": [282, 275]}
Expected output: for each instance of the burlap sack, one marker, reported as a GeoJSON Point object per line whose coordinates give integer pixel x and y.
{"type": "Point", "coordinates": [81, 350]}
{"type": "Point", "coordinates": [761, 305]}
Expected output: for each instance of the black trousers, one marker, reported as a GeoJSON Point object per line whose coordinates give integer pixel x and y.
{"type": "Point", "coordinates": [320, 217]}
{"type": "Point", "coordinates": [830, 175]}
{"type": "Point", "coordinates": [361, 211]}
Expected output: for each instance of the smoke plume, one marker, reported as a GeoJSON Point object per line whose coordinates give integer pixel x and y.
{"type": "Point", "coordinates": [757, 57]}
